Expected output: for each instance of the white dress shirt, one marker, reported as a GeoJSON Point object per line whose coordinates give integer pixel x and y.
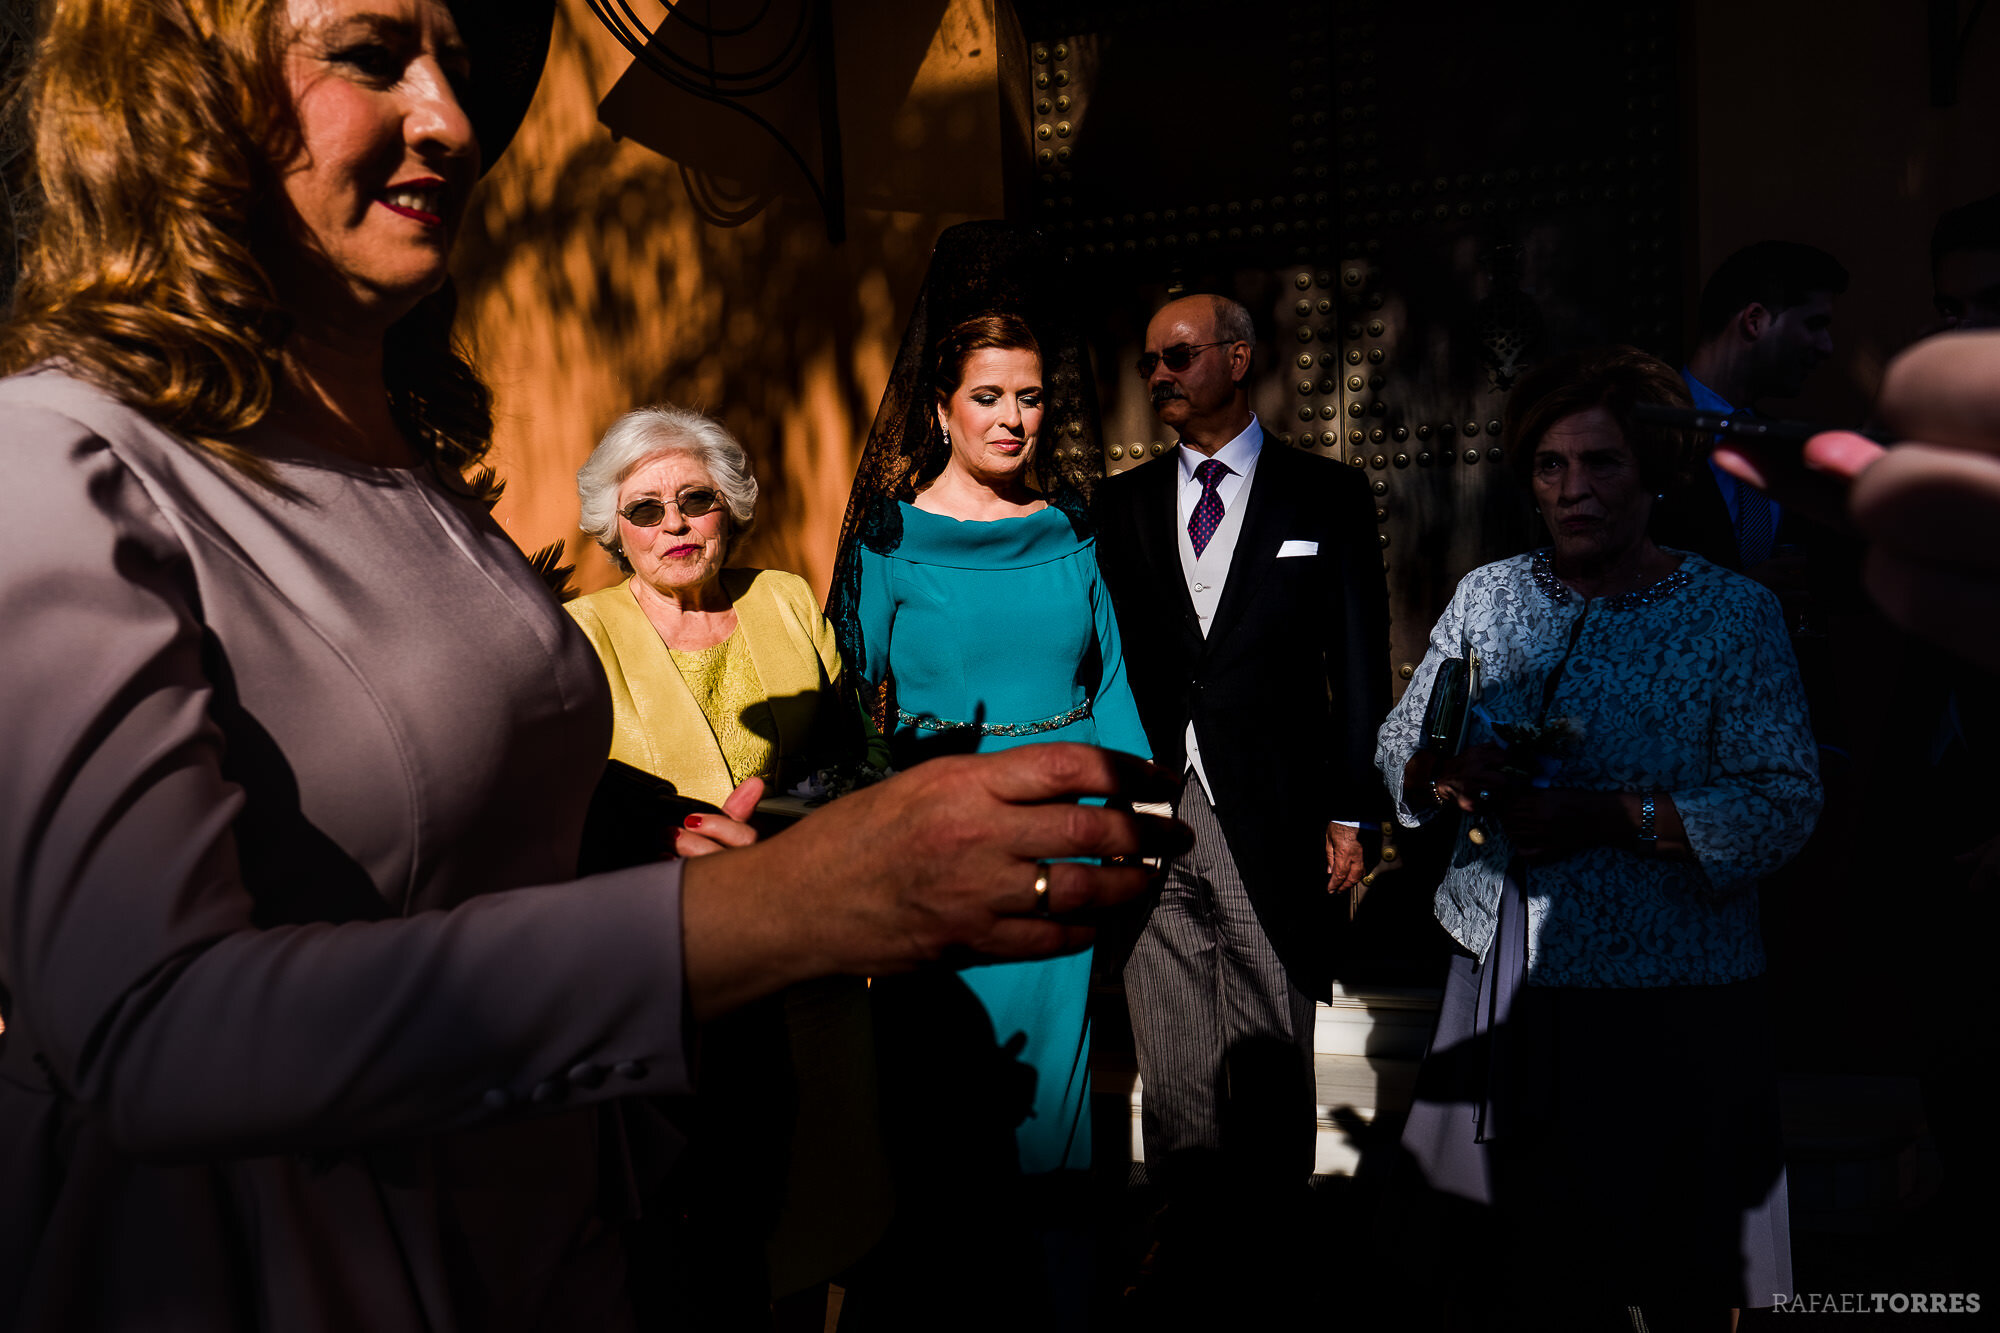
{"type": "Point", "coordinates": [1208, 572]}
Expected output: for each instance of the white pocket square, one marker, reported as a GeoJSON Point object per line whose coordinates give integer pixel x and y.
{"type": "Point", "coordinates": [1298, 548]}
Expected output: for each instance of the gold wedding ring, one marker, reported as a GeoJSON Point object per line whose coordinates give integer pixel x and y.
{"type": "Point", "coordinates": [1041, 888]}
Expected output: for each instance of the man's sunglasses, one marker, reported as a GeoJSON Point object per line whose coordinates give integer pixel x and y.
{"type": "Point", "coordinates": [1178, 357]}
{"type": "Point", "coordinates": [650, 511]}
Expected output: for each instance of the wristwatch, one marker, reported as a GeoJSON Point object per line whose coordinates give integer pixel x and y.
{"type": "Point", "coordinates": [1649, 829]}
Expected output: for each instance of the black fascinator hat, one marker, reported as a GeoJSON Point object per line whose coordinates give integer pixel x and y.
{"type": "Point", "coordinates": [508, 41]}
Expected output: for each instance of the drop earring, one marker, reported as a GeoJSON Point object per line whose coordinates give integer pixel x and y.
{"type": "Point", "coordinates": [946, 432]}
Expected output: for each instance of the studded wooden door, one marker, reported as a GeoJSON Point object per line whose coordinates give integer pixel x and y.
{"type": "Point", "coordinates": [1417, 202]}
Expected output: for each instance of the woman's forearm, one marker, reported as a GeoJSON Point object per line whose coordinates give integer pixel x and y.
{"type": "Point", "coordinates": [743, 935]}
{"type": "Point", "coordinates": [1419, 790]}
{"type": "Point", "coordinates": [1618, 819]}
{"type": "Point", "coordinates": [1555, 822]}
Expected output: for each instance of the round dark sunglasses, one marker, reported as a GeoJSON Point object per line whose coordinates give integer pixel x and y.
{"type": "Point", "coordinates": [652, 510]}
{"type": "Point", "coordinates": [1178, 357]}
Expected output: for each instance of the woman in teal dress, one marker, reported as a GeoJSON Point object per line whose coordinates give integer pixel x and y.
{"type": "Point", "coordinates": [981, 612]}
{"type": "Point", "coordinates": [975, 615]}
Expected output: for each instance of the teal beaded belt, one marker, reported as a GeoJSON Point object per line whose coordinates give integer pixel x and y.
{"type": "Point", "coordinates": [1057, 723]}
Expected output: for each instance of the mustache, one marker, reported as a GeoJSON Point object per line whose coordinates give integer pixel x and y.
{"type": "Point", "coordinates": [1165, 393]}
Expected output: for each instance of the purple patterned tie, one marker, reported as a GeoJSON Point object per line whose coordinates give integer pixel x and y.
{"type": "Point", "coordinates": [1207, 515]}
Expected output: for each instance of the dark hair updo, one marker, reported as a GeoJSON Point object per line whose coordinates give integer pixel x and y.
{"type": "Point", "coordinates": [994, 331]}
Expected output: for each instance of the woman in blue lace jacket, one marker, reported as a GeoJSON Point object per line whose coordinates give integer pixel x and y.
{"type": "Point", "coordinates": [1638, 757]}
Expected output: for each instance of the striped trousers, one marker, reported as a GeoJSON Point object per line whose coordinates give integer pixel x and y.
{"type": "Point", "coordinates": [1224, 1039]}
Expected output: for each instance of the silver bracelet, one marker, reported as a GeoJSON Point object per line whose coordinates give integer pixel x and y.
{"type": "Point", "coordinates": [1649, 832]}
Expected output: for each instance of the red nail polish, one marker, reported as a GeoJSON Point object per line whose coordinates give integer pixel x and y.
{"type": "Point", "coordinates": [694, 821]}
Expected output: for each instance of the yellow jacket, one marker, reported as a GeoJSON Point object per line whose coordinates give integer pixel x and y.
{"type": "Point", "coordinates": [656, 723]}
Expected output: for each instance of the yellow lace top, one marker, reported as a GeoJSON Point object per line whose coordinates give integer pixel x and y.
{"type": "Point", "coordinates": [725, 685]}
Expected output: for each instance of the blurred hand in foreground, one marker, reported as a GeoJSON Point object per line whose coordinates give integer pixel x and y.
{"type": "Point", "coordinates": [1930, 508]}
{"type": "Point", "coordinates": [938, 863]}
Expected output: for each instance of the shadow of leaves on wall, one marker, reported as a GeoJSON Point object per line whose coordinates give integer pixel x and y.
{"type": "Point", "coordinates": [592, 284]}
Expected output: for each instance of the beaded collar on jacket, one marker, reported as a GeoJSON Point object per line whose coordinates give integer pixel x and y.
{"type": "Point", "coordinates": [1559, 592]}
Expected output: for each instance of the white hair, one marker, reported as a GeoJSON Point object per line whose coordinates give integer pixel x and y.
{"type": "Point", "coordinates": [647, 433]}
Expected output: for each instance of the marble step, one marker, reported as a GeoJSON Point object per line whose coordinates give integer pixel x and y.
{"type": "Point", "coordinates": [1384, 1022]}
{"type": "Point", "coordinates": [1366, 1048]}
{"type": "Point", "coordinates": [1352, 1091]}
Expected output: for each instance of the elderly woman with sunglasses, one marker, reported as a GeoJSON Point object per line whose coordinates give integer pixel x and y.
{"type": "Point", "coordinates": [718, 675]}
{"type": "Point", "coordinates": [723, 681]}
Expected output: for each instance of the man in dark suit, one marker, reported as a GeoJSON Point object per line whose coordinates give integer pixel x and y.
{"type": "Point", "coordinates": [1248, 583]}
{"type": "Point", "coordinates": [1764, 321]}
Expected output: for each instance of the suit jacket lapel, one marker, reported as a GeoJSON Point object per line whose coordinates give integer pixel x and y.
{"type": "Point", "coordinates": [1160, 535]}
{"type": "Point", "coordinates": [1265, 522]}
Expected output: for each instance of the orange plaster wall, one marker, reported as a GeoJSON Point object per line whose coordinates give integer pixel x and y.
{"type": "Point", "coordinates": [590, 283]}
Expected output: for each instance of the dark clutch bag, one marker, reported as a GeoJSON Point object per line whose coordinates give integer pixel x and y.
{"type": "Point", "coordinates": [1444, 718]}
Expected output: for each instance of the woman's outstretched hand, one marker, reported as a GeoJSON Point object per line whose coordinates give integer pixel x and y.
{"type": "Point", "coordinates": [938, 863]}
{"type": "Point", "coordinates": [1548, 824]}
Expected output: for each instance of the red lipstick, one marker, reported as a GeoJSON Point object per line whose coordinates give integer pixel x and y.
{"type": "Point", "coordinates": [405, 199]}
